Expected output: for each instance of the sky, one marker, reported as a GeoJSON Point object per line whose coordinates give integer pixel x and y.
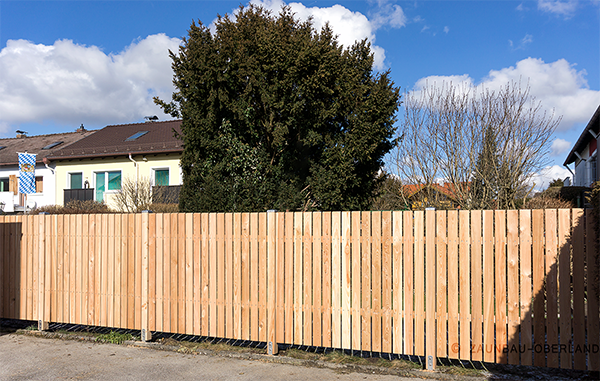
{"type": "Point", "coordinates": [97, 63]}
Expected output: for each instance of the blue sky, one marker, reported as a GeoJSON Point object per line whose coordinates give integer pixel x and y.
{"type": "Point", "coordinates": [66, 63]}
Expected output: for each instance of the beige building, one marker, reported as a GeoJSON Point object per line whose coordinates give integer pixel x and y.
{"type": "Point", "coordinates": [96, 167]}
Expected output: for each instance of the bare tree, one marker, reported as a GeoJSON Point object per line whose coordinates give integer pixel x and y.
{"type": "Point", "coordinates": [486, 144]}
{"type": "Point", "coordinates": [134, 196]}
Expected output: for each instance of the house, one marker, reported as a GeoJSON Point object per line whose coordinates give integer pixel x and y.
{"type": "Point", "coordinates": [421, 196]}
{"type": "Point", "coordinates": [42, 146]}
{"type": "Point", "coordinates": [95, 167]}
{"type": "Point", "coordinates": [585, 154]}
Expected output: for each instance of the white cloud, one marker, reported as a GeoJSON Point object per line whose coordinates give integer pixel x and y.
{"type": "Point", "coordinates": [559, 147]}
{"type": "Point", "coordinates": [558, 85]}
{"type": "Point", "coordinates": [542, 179]}
{"type": "Point", "coordinates": [446, 29]}
{"type": "Point", "coordinates": [70, 83]}
{"type": "Point", "coordinates": [558, 7]}
{"type": "Point", "coordinates": [349, 26]}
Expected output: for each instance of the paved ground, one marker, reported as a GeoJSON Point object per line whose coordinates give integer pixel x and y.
{"type": "Point", "coordinates": [34, 358]}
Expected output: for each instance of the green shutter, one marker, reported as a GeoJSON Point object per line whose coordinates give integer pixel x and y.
{"type": "Point", "coordinates": [161, 177]}
{"type": "Point", "coordinates": [76, 181]}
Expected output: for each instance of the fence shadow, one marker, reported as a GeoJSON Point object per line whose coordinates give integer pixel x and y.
{"type": "Point", "coordinates": [13, 298]}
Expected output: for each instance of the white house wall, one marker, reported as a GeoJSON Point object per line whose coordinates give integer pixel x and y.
{"type": "Point", "coordinates": [46, 197]}
{"type": "Point", "coordinates": [88, 168]}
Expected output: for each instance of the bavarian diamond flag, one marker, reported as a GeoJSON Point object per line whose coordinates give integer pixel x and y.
{"type": "Point", "coordinates": [26, 173]}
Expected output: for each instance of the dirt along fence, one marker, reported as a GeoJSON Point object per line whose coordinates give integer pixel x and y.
{"type": "Point", "coordinates": [513, 287]}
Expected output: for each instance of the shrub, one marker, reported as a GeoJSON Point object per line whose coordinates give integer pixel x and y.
{"type": "Point", "coordinates": [545, 201]}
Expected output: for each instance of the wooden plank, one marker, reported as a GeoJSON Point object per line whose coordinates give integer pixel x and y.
{"type": "Point", "coordinates": [97, 269]}
{"type": "Point", "coordinates": [197, 274]}
{"type": "Point", "coordinates": [419, 269]}
{"type": "Point", "coordinates": [539, 273]}
{"type": "Point", "coordinates": [317, 257]}
{"type": "Point", "coordinates": [551, 236]}
{"type": "Point", "coordinates": [160, 272]}
{"type": "Point", "coordinates": [476, 288]}
{"type": "Point", "coordinates": [144, 275]}
{"type": "Point", "coordinates": [262, 276]}
{"type": "Point", "coordinates": [272, 283]}
{"type": "Point", "coordinates": [21, 297]}
{"type": "Point", "coordinates": [336, 280]}
{"type": "Point", "coordinates": [29, 268]}
{"type": "Point", "coordinates": [124, 278]}
{"type": "Point", "coordinates": [281, 281]}
{"type": "Point", "coordinates": [366, 281]}
{"type": "Point", "coordinates": [578, 290]}
{"type": "Point", "coordinates": [386, 281]}
{"type": "Point", "coordinates": [84, 266]}
{"type": "Point", "coordinates": [3, 265]}
{"type": "Point", "coordinates": [488, 286]}
{"type": "Point", "coordinates": [356, 278]}
{"type": "Point", "coordinates": [593, 292]}
{"type": "Point", "coordinates": [221, 274]}
{"type": "Point", "coordinates": [236, 243]}
{"type": "Point", "coordinates": [181, 273]}
{"type": "Point", "coordinates": [500, 251]}
{"type": "Point", "coordinates": [119, 257]}
{"type": "Point", "coordinates": [464, 284]}
{"type": "Point", "coordinates": [254, 275]}
{"type": "Point", "coordinates": [408, 259]}
{"type": "Point", "coordinates": [138, 269]}
{"type": "Point", "coordinates": [189, 274]}
{"type": "Point", "coordinates": [298, 301]}
{"type": "Point", "coordinates": [111, 300]}
{"type": "Point", "coordinates": [131, 229]}
{"type": "Point", "coordinates": [525, 241]}
{"type": "Point", "coordinates": [12, 281]}
{"type": "Point", "coordinates": [376, 281]}
{"type": "Point", "coordinates": [327, 291]}
{"type": "Point", "coordinates": [205, 244]}
{"type": "Point", "coordinates": [212, 277]}
{"type": "Point", "coordinates": [244, 292]}
{"type": "Point", "coordinates": [442, 282]}
{"type": "Point", "coordinates": [453, 284]}
{"type": "Point", "coordinates": [564, 287]}
{"type": "Point", "coordinates": [307, 306]}
{"type": "Point", "coordinates": [430, 290]}
{"type": "Point", "coordinates": [512, 250]}
{"type": "Point", "coordinates": [289, 277]}
{"type": "Point", "coordinates": [346, 279]}
{"type": "Point", "coordinates": [73, 254]}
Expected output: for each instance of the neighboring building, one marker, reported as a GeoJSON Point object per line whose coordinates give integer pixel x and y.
{"type": "Point", "coordinates": [100, 162]}
{"type": "Point", "coordinates": [585, 154]}
{"type": "Point", "coordinates": [42, 146]}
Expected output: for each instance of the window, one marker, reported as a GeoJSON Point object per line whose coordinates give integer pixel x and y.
{"type": "Point", "coordinates": [136, 135]}
{"type": "Point", "coordinates": [161, 177]}
{"type": "Point", "coordinates": [107, 181]}
{"type": "Point", "coordinates": [39, 184]}
{"type": "Point", "coordinates": [4, 184]}
{"type": "Point", "coordinates": [52, 145]}
{"type": "Point", "coordinates": [76, 180]}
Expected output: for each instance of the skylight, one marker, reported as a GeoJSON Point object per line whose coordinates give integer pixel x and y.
{"type": "Point", "coordinates": [2, 147]}
{"type": "Point", "coordinates": [136, 135]}
{"type": "Point", "coordinates": [52, 145]}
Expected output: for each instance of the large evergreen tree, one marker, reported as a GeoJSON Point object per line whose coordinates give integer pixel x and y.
{"type": "Point", "coordinates": [277, 115]}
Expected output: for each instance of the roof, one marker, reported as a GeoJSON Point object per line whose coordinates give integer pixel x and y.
{"type": "Point", "coordinates": [585, 137]}
{"type": "Point", "coordinates": [118, 140]}
{"type": "Point", "coordinates": [447, 189]}
{"type": "Point", "coordinates": [35, 144]}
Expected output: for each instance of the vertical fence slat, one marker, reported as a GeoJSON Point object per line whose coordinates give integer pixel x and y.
{"type": "Point", "coordinates": [442, 283]}
{"type": "Point", "coordinates": [551, 285]}
{"type": "Point", "coordinates": [168, 274]}
{"type": "Point", "coordinates": [376, 281]}
{"type": "Point", "coordinates": [488, 286]}
{"type": "Point", "coordinates": [408, 244]}
{"type": "Point", "coordinates": [205, 255]}
{"type": "Point", "coordinates": [430, 289]}
{"type": "Point", "coordinates": [356, 278]}
{"type": "Point", "coordinates": [298, 321]}
{"type": "Point", "coordinates": [281, 280]}
{"type": "Point", "coordinates": [346, 280]}
{"type": "Point", "coordinates": [21, 301]}
{"type": "Point", "coordinates": [397, 289]}
{"type": "Point", "coordinates": [578, 289]}
{"type": "Point", "coordinates": [152, 275]}
{"type": "Point", "coordinates": [539, 273]}
{"type": "Point", "coordinates": [326, 243]}
{"type": "Point", "coordinates": [513, 285]}
{"type": "Point", "coordinates": [307, 306]}
{"type": "Point", "coordinates": [289, 277]}
{"type": "Point", "coordinates": [220, 283]}
{"type": "Point", "coordinates": [564, 287]}
{"type": "Point", "coordinates": [189, 272]}
{"type": "Point", "coordinates": [197, 275]}
{"type": "Point", "coordinates": [235, 250]}
{"type": "Point", "coordinates": [245, 269]}
{"type": "Point", "coordinates": [262, 287]}
{"type": "Point", "coordinates": [119, 257]}
{"type": "Point", "coordinates": [465, 285]}
{"type": "Point", "coordinates": [366, 280]}
{"type": "Point", "coordinates": [593, 291]}
{"type": "Point", "coordinates": [419, 269]}
{"type": "Point", "coordinates": [453, 284]}
{"type": "Point", "coordinates": [500, 233]}
{"type": "Point", "coordinates": [476, 287]}
{"type": "Point", "coordinates": [212, 278]}
{"type": "Point", "coordinates": [181, 274]}
{"type": "Point", "coordinates": [525, 242]}
{"type": "Point", "coordinates": [386, 279]}
{"type": "Point", "coordinates": [317, 260]}
{"type": "Point", "coordinates": [254, 274]}
{"type": "Point", "coordinates": [336, 280]}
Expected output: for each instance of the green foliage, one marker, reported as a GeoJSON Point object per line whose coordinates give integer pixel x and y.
{"type": "Point", "coordinates": [556, 183]}
{"type": "Point", "coordinates": [276, 115]}
{"type": "Point", "coordinates": [114, 337]}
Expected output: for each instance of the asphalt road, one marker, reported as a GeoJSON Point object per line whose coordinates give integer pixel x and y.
{"type": "Point", "coordinates": [34, 358]}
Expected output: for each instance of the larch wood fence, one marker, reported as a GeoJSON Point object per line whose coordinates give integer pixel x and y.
{"type": "Point", "coordinates": [512, 287]}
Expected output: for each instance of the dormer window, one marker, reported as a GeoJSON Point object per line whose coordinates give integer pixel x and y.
{"type": "Point", "coordinates": [52, 145]}
{"type": "Point", "coordinates": [136, 136]}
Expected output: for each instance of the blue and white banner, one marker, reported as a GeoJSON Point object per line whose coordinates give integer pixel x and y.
{"type": "Point", "coordinates": [26, 173]}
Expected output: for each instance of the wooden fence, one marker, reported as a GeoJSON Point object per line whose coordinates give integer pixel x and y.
{"type": "Point", "coordinates": [512, 287]}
